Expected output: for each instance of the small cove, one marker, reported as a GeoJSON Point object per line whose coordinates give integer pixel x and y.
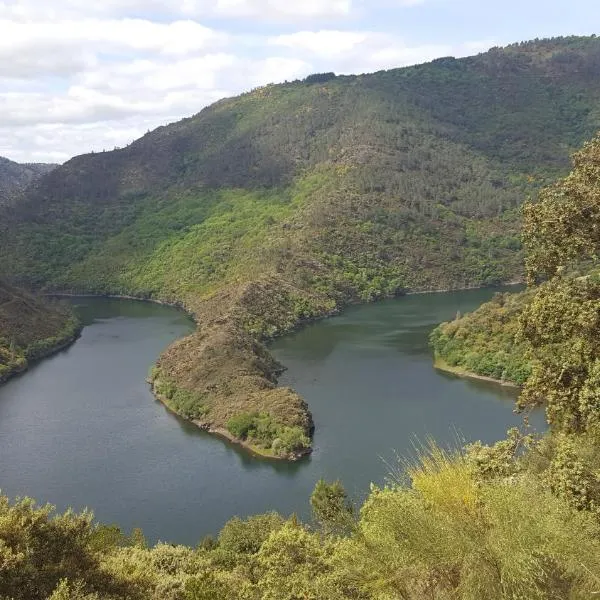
{"type": "Point", "coordinates": [82, 428]}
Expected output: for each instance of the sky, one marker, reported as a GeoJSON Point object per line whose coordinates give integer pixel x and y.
{"type": "Point", "coordinates": [89, 75]}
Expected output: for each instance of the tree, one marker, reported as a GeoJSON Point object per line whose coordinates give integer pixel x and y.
{"type": "Point", "coordinates": [330, 506]}
{"type": "Point", "coordinates": [564, 226]}
{"type": "Point", "coordinates": [561, 323]}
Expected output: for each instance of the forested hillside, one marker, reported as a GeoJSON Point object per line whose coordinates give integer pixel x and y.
{"type": "Point", "coordinates": [485, 342]}
{"type": "Point", "coordinates": [30, 328]}
{"type": "Point", "coordinates": [284, 204]}
{"type": "Point", "coordinates": [14, 178]}
{"type": "Point", "coordinates": [545, 338]}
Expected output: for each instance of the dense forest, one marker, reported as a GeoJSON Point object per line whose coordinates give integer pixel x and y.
{"type": "Point", "coordinates": [284, 204]}
{"type": "Point", "coordinates": [15, 178]}
{"type": "Point", "coordinates": [31, 328]}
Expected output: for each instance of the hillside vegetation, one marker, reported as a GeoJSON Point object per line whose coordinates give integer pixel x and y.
{"type": "Point", "coordinates": [30, 328]}
{"type": "Point", "coordinates": [284, 204]}
{"type": "Point", "coordinates": [484, 342]}
{"type": "Point", "coordinates": [492, 523]}
{"type": "Point", "coordinates": [547, 337]}
{"type": "Point", "coordinates": [15, 178]}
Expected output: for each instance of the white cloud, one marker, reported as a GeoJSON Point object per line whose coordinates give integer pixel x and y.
{"type": "Point", "coordinates": [61, 47]}
{"type": "Point", "coordinates": [347, 52]}
{"type": "Point", "coordinates": [322, 43]}
{"type": "Point", "coordinates": [77, 76]}
{"type": "Point", "coordinates": [267, 10]}
{"type": "Point", "coordinates": [277, 9]}
{"type": "Point", "coordinates": [111, 104]}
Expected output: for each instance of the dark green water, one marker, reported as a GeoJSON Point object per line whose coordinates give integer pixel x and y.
{"type": "Point", "coordinates": [82, 429]}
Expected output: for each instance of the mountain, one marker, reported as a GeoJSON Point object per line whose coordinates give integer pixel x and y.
{"type": "Point", "coordinates": [30, 328]}
{"type": "Point", "coordinates": [15, 177]}
{"type": "Point", "coordinates": [284, 204]}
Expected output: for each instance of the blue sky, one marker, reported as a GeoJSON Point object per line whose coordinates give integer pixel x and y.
{"type": "Point", "coordinates": [77, 76]}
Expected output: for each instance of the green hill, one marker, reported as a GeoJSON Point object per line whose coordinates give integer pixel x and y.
{"type": "Point", "coordinates": [30, 328]}
{"type": "Point", "coordinates": [286, 203]}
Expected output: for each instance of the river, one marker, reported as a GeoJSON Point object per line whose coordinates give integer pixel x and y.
{"type": "Point", "coordinates": [82, 428]}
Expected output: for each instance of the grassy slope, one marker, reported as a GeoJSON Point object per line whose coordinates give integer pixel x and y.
{"type": "Point", "coordinates": [284, 204]}
{"type": "Point", "coordinates": [30, 328]}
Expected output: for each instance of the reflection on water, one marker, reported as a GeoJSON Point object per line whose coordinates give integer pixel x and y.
{"type": "Point", "coordinates": [82, 428]}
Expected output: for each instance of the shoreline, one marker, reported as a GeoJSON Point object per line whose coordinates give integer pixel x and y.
{"type": "Point", "coordinates": [226, 436]}
{"type": "Point", "coordinates": [463, 289]}
{"type": "Point", "coordinates": [441, 365]}
{"type": "Point", "coordinates": [221, 432]}
{"type": "Point", "coordinates": [62, 345]}
{"type": "Point", "coordinates": [177, 305]}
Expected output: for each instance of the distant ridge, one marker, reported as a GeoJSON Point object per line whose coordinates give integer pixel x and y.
{"type": "Point", "coordinates": [15, 177]}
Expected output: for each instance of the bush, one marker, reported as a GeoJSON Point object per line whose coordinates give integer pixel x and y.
{"type": "Point", "coordinates": [247, 536]}
{"type": "Point", "coordinates": [290, 440]}
{"type": "Point", "coordinates": [240, 425]}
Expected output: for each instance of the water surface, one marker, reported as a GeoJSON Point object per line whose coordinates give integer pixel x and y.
{"type": "Point", "coordinates": [82, 428]}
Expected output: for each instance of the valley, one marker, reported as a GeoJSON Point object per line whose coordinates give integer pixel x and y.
{"type": "Point", "coordinates": [285, 204]}
{"type": "Point", "coordinates": [260, 216]}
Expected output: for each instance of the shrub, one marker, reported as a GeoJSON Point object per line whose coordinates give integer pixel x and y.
{"type": "Point", "coordinates": [290, 440]}
{"type": "Point", "coordinates": [239, 425]}
{"type": "Point", "coordinates": [247, 536]}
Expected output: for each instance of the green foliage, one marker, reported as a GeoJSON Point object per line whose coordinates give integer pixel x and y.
{"type": "Point", "coordinates": [483, 342]}
{"type": "Point", "coordinates": [291, 562]}
{"type": "Point", "coordinates": [241, 424]}
{"type": "Point", "coordinates": [454, 536]}
{"type": "Point", "coordinates": [67, 591]}
{"type": "Point", "coordinates": [247, 536]}
{"type": "Point", "coordinates": [38, 551]}
{"type": "Point", "coordinates": [187, 403]}
{"type": "Point", "coordinates": [207, 586]}
{"type": "Point", "coordinates": [290, 440]}
{"type": "Point", "coordinates": [319, 78]}
{"type": "Point", "coordinates": [263, 430]}
{"type": "Point", "coordinates": [31, 328]}
{"type": "Point", "coordinates": [330, 506]}
{"type": "Point", "coordinates": [560, 323]}
{"type": "Point", "coordinates": [515, 520]}
{"type": "Point", "coordinates": [562, 227]}
{"type": "Point", "coordinates": [501, 459]}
